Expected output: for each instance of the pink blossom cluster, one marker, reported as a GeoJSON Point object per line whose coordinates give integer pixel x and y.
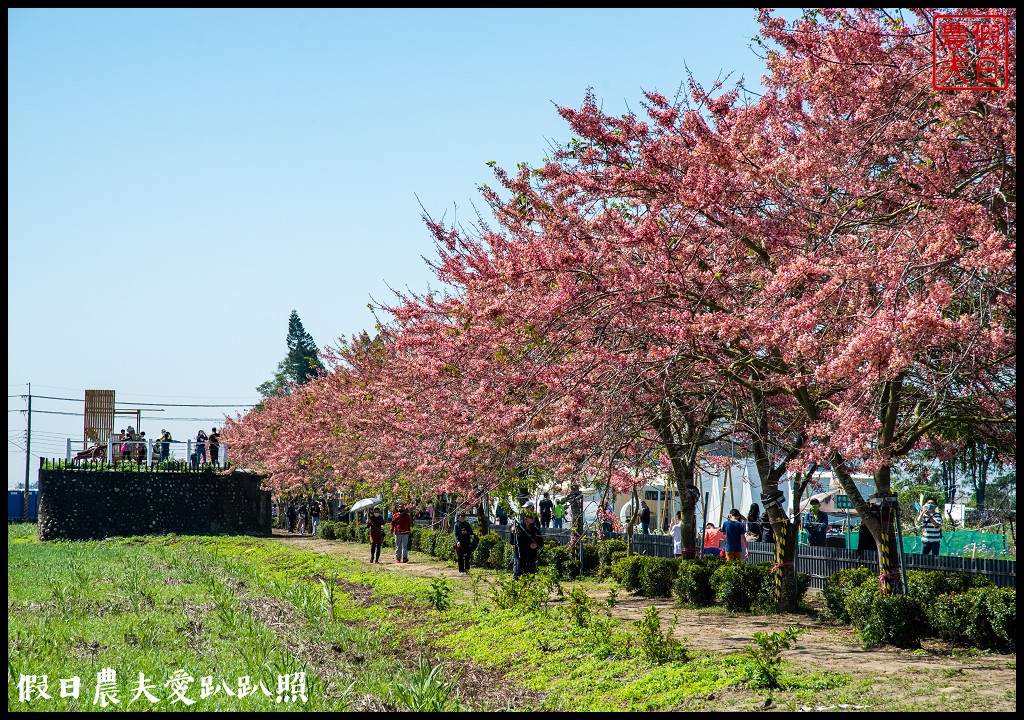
{"type": "Point", "coordinates": [825, 275]}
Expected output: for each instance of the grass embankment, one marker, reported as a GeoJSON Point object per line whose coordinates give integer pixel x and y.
{"type": "Point", "coordinates": [212, 612]}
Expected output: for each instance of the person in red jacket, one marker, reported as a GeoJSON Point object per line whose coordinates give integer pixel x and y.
{"type": "Point", "coordinates": [401, 524]}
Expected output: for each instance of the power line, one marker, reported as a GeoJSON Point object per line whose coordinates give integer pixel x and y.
{"type": "Point", "coordinates": [78, 400]}
{"type": "Point", "coordinates": [200, 397]}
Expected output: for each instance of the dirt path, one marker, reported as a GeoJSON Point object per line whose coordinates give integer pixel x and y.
{"type": "Point", "coordinates": [821, 647]}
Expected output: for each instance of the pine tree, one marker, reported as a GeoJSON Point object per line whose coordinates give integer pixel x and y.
{"type": "Point", "coordinates": [301, 362]}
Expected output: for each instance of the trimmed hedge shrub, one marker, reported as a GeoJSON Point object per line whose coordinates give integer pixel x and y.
{"type": "Point", "coordinates": [739, 586]}
{"type": "Point", "coordinates": [928, 585]}
{"type": "Point", "coordinates": [327, 530]}
{"type": "Point", "coordinates": [626, 572]}
{"type": "Point", "coordinates": [982, 617]}
{"type": "Point", "coordinates": [482, 554]}
{"type": "Point", "coordinates": [895, 620]}
{"type": "Point", "coordinates": [657, 576]}
{"type": "Point", "coordinates": [692, 585]}
{"type": "Point", "coordinates": [606, 550]}
{"type": "Point", "coordinates": [565, 563]}
{"type": "Point", "coordinates": [858, 603]}
{"type": "Point", "coordinates": [444, 546]}
{"type": "Point", "coordinates": [839, 586]}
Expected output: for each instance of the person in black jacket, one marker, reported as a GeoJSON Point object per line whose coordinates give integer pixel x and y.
{"type": "Point", "coordinates": [767, 534]}
{"type": "Point", "coordinates": [292, 515]}
{"type": "Point", "coordinates": [645, 518]}
{"type": "Point", "coordinates": [545, 510]}
{"type": "Point", "coordinates": [465, 542]}
{"type": "Point", "coordinates": [526, 543]}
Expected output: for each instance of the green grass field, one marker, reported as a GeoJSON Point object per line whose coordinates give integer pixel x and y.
{"type": "Point", "coordinates": [237, 624]}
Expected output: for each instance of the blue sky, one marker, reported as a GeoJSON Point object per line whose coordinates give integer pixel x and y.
{"type": "Point", "coordinates": [180, 180]}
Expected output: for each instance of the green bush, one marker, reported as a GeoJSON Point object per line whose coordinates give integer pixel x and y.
{"type": "Point", "coordinates": [981, 617]}
{"type": "Point", "coordinates": [859, 601]}
{"type": "Point", "coordinates": [657, 576]}
{"type": "Point", "coordinates": [496, 556]}
{"type": "Point", "coordinates": [606, 550]}
{"type": "Point", "coordinates": [444, 546]}
{"type": "Point", "coordinates": [627, 572]}
{"type": "Point", "coordinates": [692, 585]}
{"type": "Point", "coordinates": [565, 563]}
{"type": "Point", "coordinates": [926, 586]}
{"type": "Point", "coordinates": [839, 586]}
{"type": "Point", "coordinates": [1001, 611]}
{"type": "Point", "coordinates": [894, 620]}
{"type": "Point", "coordinates": [591, 558]}
{"type": "Point", "coordinates": [482, 554]}
{"type": "Point", "coordinates": [739, 586]}
{"type": "Point", "coordinates": [328, 530]}
{"type": "Point", "coordinates": [420, 539]}
{"type": "Point", "coordinates": [947, 616]}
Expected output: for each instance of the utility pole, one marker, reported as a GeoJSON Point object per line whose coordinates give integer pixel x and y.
{"type": "Point", "coordinates": [28, 451]}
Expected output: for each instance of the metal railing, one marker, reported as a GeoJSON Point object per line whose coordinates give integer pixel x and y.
{"type": "Point", "coordinates": [149, 451]}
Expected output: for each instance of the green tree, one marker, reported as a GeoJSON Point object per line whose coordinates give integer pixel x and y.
{"type": "Point", "coordinates": [301, 362]}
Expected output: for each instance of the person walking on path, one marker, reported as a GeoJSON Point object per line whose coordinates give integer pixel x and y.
{"type": "Point", "coordinates": [465, 542]}
{"type": "Point", "coordinates": [376, 524]}
{"type": "Point", "coordinates": [645, 518]}
{"type": "Point", "coordinates": [558, 513]}
{"type": "Point", "coordinates": [292, 515]}
{"type": "Point", "coordinates": [314, 516]}
{"type": "Point", "coordinates": [526, 543]}
{"type": "Point", "coordinates": [302, 519]}
{"type": "Point", "coordinates": [931, 528]}
{"type": "Point", "coordinates": [201, 447]}
{"type": "Point", "coordinates": [734, 529]}
{"type": "Point", "coordinates": [400, 528]}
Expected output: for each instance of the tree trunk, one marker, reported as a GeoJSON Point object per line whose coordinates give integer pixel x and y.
{"type": "Point", "coordinates": [631, 522]}
{"type": "Point", "coordinates": [881, 524]}
{"type": "Point", "coordinates": [688, 494]}
{"type": "Point", "coordinates": [481, 518]}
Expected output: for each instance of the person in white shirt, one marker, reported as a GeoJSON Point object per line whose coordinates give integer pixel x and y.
{"type": "Point", "coordinates": [676, 531]}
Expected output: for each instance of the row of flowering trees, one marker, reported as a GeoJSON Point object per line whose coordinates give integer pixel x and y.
{"type": "Point", "coordinates": [825, 276]}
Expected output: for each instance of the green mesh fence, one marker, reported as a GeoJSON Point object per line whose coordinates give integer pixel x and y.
{"type": "Point", "coordinates": [967, 543]}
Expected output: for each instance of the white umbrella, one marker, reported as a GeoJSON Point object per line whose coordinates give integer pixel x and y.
{"type": "Point", "coordinates": [365, 503]}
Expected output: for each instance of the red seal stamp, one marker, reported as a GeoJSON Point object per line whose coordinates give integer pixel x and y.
{"type": "Point", "coordinates": [970, 52]}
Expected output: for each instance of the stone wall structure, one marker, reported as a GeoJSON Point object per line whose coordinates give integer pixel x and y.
{"type": "Point", "coordinates": [76, 504]}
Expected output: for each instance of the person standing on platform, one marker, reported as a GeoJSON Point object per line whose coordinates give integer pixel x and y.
{"type": "Point", "coordinates": [214, 442]}
{"type": "Point", "coordinates": [201, 447]}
